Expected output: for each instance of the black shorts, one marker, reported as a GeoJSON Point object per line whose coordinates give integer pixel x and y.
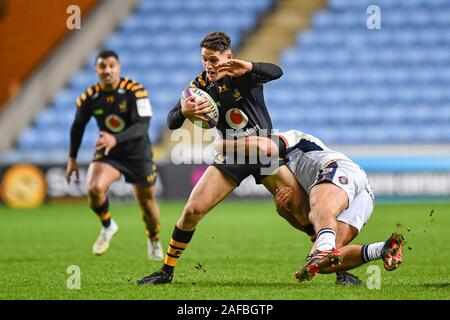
{"type": "Point", "coordinates": [137, 172]}
{"type": "Point", "coordinates": [238, 172]}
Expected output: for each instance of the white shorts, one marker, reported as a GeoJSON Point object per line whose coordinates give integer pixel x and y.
{"type": "Point", "coordinates": [351, 178]}
{"type": "Point", "coordinates": [359, 210]}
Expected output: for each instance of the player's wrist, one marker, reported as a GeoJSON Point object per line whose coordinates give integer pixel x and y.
{"type": "Point", "coordinates": [249, 67]}
{"type": "Point", "coordinates": [185, 113]}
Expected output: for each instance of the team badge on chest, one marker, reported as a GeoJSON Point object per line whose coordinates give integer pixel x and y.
{"type": "Point", "coordinates": [114, 123]}
{"type": "Point", "coordinates": [236, 118]}
{"type": "Point", "coordinates": [123, 106]}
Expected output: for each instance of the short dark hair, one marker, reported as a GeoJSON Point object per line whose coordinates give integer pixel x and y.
{"type": "Point", "coordinates": [216, 41]}
{"type": "Point", "coordinates": [106, 54]}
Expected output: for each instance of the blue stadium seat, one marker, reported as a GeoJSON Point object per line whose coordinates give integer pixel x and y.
{"type": "Point", "coordinates": [149, 43]}
{"type": "Point", "coordinates": [370, 86]}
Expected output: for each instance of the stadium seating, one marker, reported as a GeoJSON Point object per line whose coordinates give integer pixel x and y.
{"type": "Point", "coordinates": [348, 84]}
{"type": "Point", "coordinates": [158, 46]}
{"type": "Point", "coordinates": [342, 81]}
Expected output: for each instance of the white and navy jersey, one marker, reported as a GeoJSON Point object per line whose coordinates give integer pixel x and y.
{"type": "Point", "coordinates": [307, 156]}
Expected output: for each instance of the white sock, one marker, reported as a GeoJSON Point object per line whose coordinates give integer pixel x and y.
{"type": "Point", "coordinates": [372, 251]}
{"type": "Point", "coordinates": [326, 239]}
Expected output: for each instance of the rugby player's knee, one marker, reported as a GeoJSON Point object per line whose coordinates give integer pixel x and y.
{"type": "Point", "coordinates": [95, 189]}
{"type": "Point", "coordinates": [194, 211]}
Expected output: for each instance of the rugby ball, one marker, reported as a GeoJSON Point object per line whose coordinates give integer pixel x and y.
{"type": "Point", "coordinates": [212, 118]}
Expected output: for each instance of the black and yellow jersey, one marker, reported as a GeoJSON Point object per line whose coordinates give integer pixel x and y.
{"type": "Point", "coordinates": [242, 110]}
{"type": "Point", "coordinates": [124, 112]}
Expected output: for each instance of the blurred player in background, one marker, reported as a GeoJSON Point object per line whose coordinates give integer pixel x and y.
{"type": "Point", "coordinates": [338, 190]}
{"type": "Point", "coordinates": [237, 86]}
{"type": "Point", "coordinates": [122, 110]}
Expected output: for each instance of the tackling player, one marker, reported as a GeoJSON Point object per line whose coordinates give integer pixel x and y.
{"type": "Point", "coordinates": [122, 111]}
{"type": "Point", "coordinates": [237, 86]}
{"type": "Point", "coordinates": [337, 187]}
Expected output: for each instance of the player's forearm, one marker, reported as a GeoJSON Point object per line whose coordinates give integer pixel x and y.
{"type": "Point", "coordinates": [175, 118]}
{"type": "Point", "coordinates": [76, 136]}
{"type": "Point", "coordinates": [248, 146]}
{"type": "Point", "coordinates": [268, 71]}
{"type": "Point", "coordinates": [136, 130]}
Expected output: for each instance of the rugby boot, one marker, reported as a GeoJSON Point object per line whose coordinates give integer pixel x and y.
{"type": "Point", "coordinates": [102, 244]}
{"type": "Point", "coordinates": [392, 251]}
{"type": "Point", "coordinates": [158, 277]}
{"type": "Point", "coordinates": [154, 250]}
{"type": "Point", "coordinates": [346, 278]}
{"type": "Point", "coordinates": [319, 261]}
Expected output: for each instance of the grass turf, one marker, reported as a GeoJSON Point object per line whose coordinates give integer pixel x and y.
{"type": "Point", "coordinates": [241, 250]}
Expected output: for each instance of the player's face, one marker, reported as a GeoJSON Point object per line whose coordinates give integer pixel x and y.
{"type": "Point", "coordinates": [108, 71]}
{"type": "Point", "coordinates": [211, 60]}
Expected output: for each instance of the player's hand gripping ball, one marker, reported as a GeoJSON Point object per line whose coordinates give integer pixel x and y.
{"type": "Point", "coordinates": [211, 118]}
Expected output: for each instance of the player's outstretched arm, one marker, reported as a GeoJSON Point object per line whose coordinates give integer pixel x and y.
{"type": "Point", "coordinates": [235, 67]}
{"type": "Point", "coordinates": [247, 146]}
{"type": "Point", "coordinates": [266, 71]}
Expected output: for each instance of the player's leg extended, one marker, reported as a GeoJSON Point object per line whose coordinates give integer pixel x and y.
{"type": "Point", "coordinates": [327, 201]}
{"type": "Point", "coordinates": [297, 210]}
{"type": "Point", "coordinates": [212, 188]}
{"type": "Point", "coordinates": [145, 196]}
{"type": "Point", "coordinates": [99, 178]}
{"type": "Point", "coordinates": [355, 255]}
{"type": "Point", "coordinates": [350, 222]}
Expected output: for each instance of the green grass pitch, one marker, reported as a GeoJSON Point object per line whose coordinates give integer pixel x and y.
{"type": "Point", "coordinates": [241, 250]}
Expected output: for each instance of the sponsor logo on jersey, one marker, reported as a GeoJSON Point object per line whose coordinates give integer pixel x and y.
{"type": "Point", "coordinates": [236, 118]}
{"type": "Point", "coordinates": [114, 123]}
{"type": "Point", "coordinates": [244, 133]}
{"type": "Point", "coordinates": [343, 180]}
{"type": "Point", "coordinates": [98, 112]}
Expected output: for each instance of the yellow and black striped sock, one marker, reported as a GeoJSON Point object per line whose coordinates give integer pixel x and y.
{"type": "Point", "coordinates": [178, 243]}
{"type": "Point", "coordinates": [103, 213]}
